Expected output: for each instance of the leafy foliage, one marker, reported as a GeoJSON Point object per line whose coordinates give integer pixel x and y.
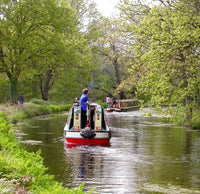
{"type": "Point", "coordinates": [38, 40]}
{"type": "Point", "coordinates": [149, 52]}
{"type": "Point", "coordinates": [165, 47]}
{"type": "Point", "coordinates": [37, 107]}
{"type": "Point", "coordinates": [26, 170]}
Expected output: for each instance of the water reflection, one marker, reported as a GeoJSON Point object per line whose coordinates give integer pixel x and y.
{"type": "Point", "coordinates": [84, 161]}
{"type": "Point", "coordinates": [145, 155]}
{"type": "Point", "coordinates": [101, 168]}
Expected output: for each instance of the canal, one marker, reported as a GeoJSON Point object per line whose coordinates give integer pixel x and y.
{"type": "Point", "coordinates": [145, 155]}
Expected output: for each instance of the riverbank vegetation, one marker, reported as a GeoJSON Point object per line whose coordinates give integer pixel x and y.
{"type": "Point", "coordinates": [52, 49]}
{"type": "Point", "coordinates": [22, 171]}
{"type": "Point", "coordinates": [34, 107]}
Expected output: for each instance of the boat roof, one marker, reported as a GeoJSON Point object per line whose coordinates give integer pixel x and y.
{"type": "Point", "coordinates": [126, 100]}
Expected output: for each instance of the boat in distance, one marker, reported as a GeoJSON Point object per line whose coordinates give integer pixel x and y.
{"type": "Point", "coordinates": [123, 105]}
{"type": "Point", "coordinates": [96, 131]}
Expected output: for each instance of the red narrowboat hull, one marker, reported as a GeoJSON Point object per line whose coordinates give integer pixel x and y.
{"type": "Point", "coordinates": [84, 141]}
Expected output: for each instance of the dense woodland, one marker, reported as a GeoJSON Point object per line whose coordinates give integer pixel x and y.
{"type": "Point", "coordinates": [52, 49]}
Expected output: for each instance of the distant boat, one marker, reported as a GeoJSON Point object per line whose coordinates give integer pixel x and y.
{"type": "Point", "coordinates": [123, 105]}
{"type": "Point", "coordinates": [96, 131]}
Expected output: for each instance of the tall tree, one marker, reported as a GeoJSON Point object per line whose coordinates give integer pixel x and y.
{"type": "Point", "coordinates": [26, 28]}
{"type": "Point", "coordinates": [75, 72]}
{"type": "Point", "coordinates": [112, 48]}
{"type": "Point", "coordinates": [168, 50]}
{"type": "Point", "coordinates": [131, 13]}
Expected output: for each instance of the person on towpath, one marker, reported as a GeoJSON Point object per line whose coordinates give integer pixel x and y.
{"type": "Point", "coordinates": [21, 99]}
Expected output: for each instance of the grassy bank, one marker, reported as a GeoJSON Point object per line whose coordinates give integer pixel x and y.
{"type": "Point", "coordinates": [17, 113]}
{"type": "Point", "coordinates": [20, 170]}
{"type": "Point", "coordinates": [177, 114]}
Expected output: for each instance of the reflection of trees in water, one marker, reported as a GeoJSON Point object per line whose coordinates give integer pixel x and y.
{"type": "Point", "coordinates": [123, 119]}
{"type": "Point", "coordinates": [188, 142]}
{"type": "Point", "coordinates": [192, 155]}
{"type": "Point", "coordinates": [111, 119]}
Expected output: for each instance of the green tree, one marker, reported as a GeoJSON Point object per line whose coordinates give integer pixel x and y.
{"type": "Point", "coordinates": [111, 46]}
{"type": "Point", "coordinates": [78, 64]}
{"type": "Point", "coordinates": [26, 28]}
{"type": "Point", "coordinates": [131, 13]}
{"type": "Point", "coordinates": [168, 51]}
{"type": "Point", "coordinates": [4, 84]}
{"type": "Point", "coordinates": [76, 75]}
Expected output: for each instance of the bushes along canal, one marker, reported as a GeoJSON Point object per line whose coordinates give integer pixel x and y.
{"type": "Point", "coordinates": [22, 171]}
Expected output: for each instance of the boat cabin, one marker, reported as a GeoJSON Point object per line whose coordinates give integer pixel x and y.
{"type": "Point", "coordinates": [95, 117]}
{"type": "Point", "coordinates": [122, 105]}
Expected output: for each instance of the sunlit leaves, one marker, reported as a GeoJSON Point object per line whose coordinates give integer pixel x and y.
{"type": "Point", "coordinates": [33, 37]}
{"type": "Point", "coordinates": [167, 49]}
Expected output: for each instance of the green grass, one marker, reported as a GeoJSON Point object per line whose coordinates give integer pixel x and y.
{"type": "Point", "coordinates": [17, 113]}
{"type": "Point", "coordinates": [21, 170]}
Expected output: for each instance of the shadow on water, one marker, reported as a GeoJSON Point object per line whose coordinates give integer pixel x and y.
{"type": "Point", "coordinates": [145, 155]}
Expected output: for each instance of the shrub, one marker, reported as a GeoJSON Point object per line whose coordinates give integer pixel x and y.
{"type": "Point", "coordinates": [66, 107]}
{"type": "Point", "coordinates": [25, 170]}
{"type": "Point", "coordinates": [39, 102]}
{"type": "Point", "coordinates": [195, 121]}
{"type": "Point", "coordinates": [19, 168]}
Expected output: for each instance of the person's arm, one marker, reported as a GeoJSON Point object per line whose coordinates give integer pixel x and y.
{"type": "Point", "coordinates": [86, 100]}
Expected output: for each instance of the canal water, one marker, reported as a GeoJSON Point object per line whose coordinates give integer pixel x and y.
{"type": "Point", "coordinates": [145, 155]}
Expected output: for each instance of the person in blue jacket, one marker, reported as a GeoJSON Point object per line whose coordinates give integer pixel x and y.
{"type": "Point", "coordinates": [21, 99]}
{"type": "Point", "coordinates": [84, 100]}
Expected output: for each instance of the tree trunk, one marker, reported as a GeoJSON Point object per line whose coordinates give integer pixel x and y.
{"type": "Point", "coordinates": [47, 85]}
{"type": "Point", "coordinates": [118, 78]}
{"type": "Point", "coordinates": [122, 95]}
{"type": "Point", "coordinates": [188, 110]}
{"type": "Point", "coordinates": [13, 89]}
{"type": "Point", "coordinates": [117, 71]}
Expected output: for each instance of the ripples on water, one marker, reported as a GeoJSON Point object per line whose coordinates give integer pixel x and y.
{"type": "Point", "coordinates": [145, 155]}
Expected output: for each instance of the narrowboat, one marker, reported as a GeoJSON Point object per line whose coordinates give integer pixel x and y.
{"type": "Point", "coordinates": [96, 132]}
{"type": "Point", "coordinates": [123, 105]}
